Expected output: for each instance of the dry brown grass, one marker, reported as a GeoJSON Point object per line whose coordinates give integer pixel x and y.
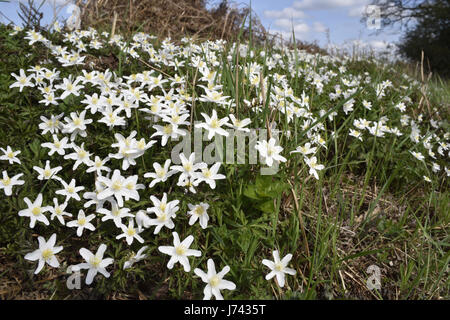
{"type": "Point", "coordinates": [356, 242]}
{"type": "Point", "coordinates": [179, 18]}
{"type": "Point", "coordinates": [168, 17]}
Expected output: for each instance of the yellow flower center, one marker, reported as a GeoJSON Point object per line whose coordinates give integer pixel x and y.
{"type": "Point", "coordinates": [199, 210]}
{"type": "Point", "coordinates": [180, 250]}
{"type": "Point", "coordinates": [47, 173]}
{"type": "Point", "coordinates": [36, 211]}
{"type": "Point", "coordinates": [187, 167]}
{"type": "Point", "coordinates": [278, 266]}
{"type": "Point", "coordinates": [77, 121]}
{"type": "Point", "coordinates": [168, 129]}
{"type": "Point", "coordinates": [207, 173]}
{"type": "Point", "coordinates": [6, 181]}
{"type": "Point", "coordinates": [95, 261]}
{"type": "Point", "coordinates": [162, 217]}
{"type": "Point", "coordinates": [214, 124]}
{"type": "Point", "coordinates": [131, 232]}
{"type": "Point", "coordinates": [116, 186]}
{"type": "Point", "coordinates": [81, 221]}
{"type": "Point", "coordinates": [214, 282]}
{"type": "Point", "coordinates": [47, 254]}
{"type": "Point", "coordinates": [161, 173]}
{"type": "Point", "coordinates": [82, 154]}
{"type": "Point", "coordinates": [141, 144]}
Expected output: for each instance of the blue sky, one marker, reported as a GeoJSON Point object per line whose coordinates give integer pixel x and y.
{"type": "Point", "coordinates": [9, 10]}
{"type": "Point", "coordinates": [311, 19]}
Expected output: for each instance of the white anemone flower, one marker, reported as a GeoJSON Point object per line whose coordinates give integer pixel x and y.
{"type": "Point", "coordinates": [95, 263]}
{"type": "Point", "coordinates": [279, 268]}
{"type": "Point", "coordinates": [269, 151]}
{"type": "Point", "coordinates": [45, 254]}
{"type": "Point", "coordinates": [180, 252]}
{"type": "Point", "coordinates": [214, 280]}
{"type": "Point", "coordinates": [213, 125]}
{"type": "Point", "coordinates": [35, 211]}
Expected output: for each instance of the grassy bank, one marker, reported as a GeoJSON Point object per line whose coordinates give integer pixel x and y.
{"type": "Point", "coordinates": [373, 203]}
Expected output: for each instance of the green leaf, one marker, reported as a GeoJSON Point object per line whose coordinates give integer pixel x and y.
{"type": "Point", "coordinates": [267, 206]}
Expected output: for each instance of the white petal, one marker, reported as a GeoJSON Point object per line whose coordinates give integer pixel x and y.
{"type": "Point", "coordinates": [201, 274]}
{"type": "Point", "coordinates": [211, 268]}
{"type": "Point", "coordinates": [286, 259]}
{"type": "Point", "coordinates": [185, 263]}
{"type": "Point", "coordinates": [225, 284]}
{"type": "Point", "coordinates": [90, 276]}
{"type": "Point", "coordinates": [216, 293]}
{"type": "Point", "coordinates": [33, 256]}
{"type": "Point", "coordinates": [53, 262]}
{"type": "Point", "coordinates": [280, 279]}
{"type": "Point", "coordinates": [268, 263]}
{"type": "Point", "coordinates": [270, 275]}
{"type": "Point", "coordinates": [207, 292]}
{"type": "Point", "coordinates": [40, 266]}
{"type": "Point", "coordinates": [86, 254]}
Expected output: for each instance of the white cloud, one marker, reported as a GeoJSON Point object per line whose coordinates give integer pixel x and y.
{"type": "Point", "coordinates": [285, 35]}
{"type": "Point", "coordinates": [380, 45]}
{"type": "Point", "coordinates": [327, 4]}
{"type": "Point", "coordinates": [284, 23]}
{"type": "Point", "coordinates": [301, 28]}
{"type": "Point", "coordinates": [319, 27]}
{"type": "Point", "coordinates": [357, 11]}
{"type": "Point", "coordinates": [286, 20]}
{"type": "Point", "coordinates": [288, 12]}
{"type": "Point", "coordinates": [287, 25]}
